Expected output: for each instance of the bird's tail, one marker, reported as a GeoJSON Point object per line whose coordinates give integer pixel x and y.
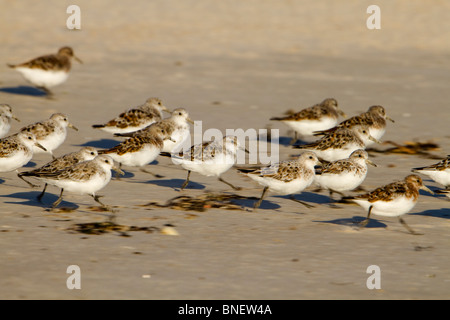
{"type": "Point", "coordinates": [244, 170]}
{"type": "Point", "coordinates": [277, 118]}
{"type": "Point", "coordinates": [320, 133]}
{"type": "Point", "coordinates": [165, 154]}
{"type": "Point", "coordinates": [128, 134]}
{"type": "Point", "coordinates": [26, 174]}
{"type": "Point", "coordinates": [348, 199]}
{"type": "Point", "coordinates": [104, 151]}
{"type": "Point", "coordinates": [324, 132]}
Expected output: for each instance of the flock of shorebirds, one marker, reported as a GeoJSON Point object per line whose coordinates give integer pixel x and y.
{"type": "Point", "coordinates": [336, 161]}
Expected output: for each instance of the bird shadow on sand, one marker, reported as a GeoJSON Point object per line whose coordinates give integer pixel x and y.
{"type": "Point", "coordinates": [354, 222]}
{"type": "Point", "coordinates": [288, 141]}
{"type": "Point", "coordinates": [308, 197]}
{"type": "Point", "coordinates": [424, 193]}
{"type": "Point", "coordinates": [24, 91]}
{"type": "Point", "coordinates": [285, 141]}
{"type": "Point", "coordinates": [30, 164]}
{"type": "Point", "coordinates": [265, 204]}
{"type": "Point", "coordinates": [100, 144]}
{"type": "Point", "coordinates": [175, 184]}
{"type": "Point", "coordinates": [443, 213]}
{"type": "Point", "coordinates": [30, 199]}
{"type": "Point", "coordinates": [128, 174]}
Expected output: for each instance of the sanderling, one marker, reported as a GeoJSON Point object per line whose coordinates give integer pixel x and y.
{"type": "Point", "coordinates": [17, 150]}
{"type": "Point", "coordinates": [375, 118]}
{"type": "Point", "coordinates": [86, 177]}
{"type": "Point", "coordinates": [177, 126]}
{"type": "Point", "coordinates": [286, 177]}
{"type": "Point", "coordinates": [340, 143]}
{"type": "Point", "coordinates": [439, 172]}
{"type": "Point", "coordinates": [60, 163]}
{"type": "Point", "coordinates": [5, 119]}
{"type": "Point", "coordinates": [50, 133]}
{"type": "Point", "coordinates": [139, 151]}
{"type": "Point", "coordinates": [321, 116]}
{"type": "Point", "coordinates": [345, 174]}
{"type": "Point", "coordinates": [135, 118]}
{"type": "Point", "coordinates": [212, 158]}
{"type": "Point", "coordinates": [392, 200]}
{"type": "Point", "coordinates": [47, 71]}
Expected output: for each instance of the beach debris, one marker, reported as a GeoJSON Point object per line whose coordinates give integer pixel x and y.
{"type": "Point", "coordinates": [62, 209]}
{"type": "Point", "coordinates": [99, 208]}
{"type": "Point", "coordinates": [411, 148]}
{"type": "Point", "coordinates": [290, 112]}
{"type": "Point", "coordinates": [169, 230]}
{"type": "Point", "coordinates": [202, 203]}
{"type": "Point", "coordinates": [98, 228]}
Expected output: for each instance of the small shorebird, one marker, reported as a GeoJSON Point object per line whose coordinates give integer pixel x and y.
{"type": "Point", "coordinates": [212, 158]}
{"type": "Point", "coordinates": [286, 177]}
{"type": "Point", "coordinates": [320, 116]}
{"type": "Point", "coordinates": [16, 151]}
{"type": "Point", "coordinates": [47, 71]}
{"type": "Point", "coordinates": [139, 151]}
{"type": "Point", "coordinates": [60, 163]}
{"type": "Point", "coordinates": [439, 172]}
{"type": "Point", "coordinates": [5, 119]}
{"type": "Point", "coordinates": [177, 126]}
{"type": "Point", "coordinates": [135, 119]}
{"type": "Point", "coordinates": [375, 119]}
{"type": "Point", "coordinates": [392, 200]}
{"type": "Point", "coordinates": [50, 133]}
{"type": "Point", "coordinates": [340, 143]}
{"type": "Point", "coordinates": [86, 177]}
{"type": "Point", "coordinates": [345, 174]}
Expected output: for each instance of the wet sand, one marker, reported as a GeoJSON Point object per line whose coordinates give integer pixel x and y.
{"type": "Point", "coordinates": [231, 65]}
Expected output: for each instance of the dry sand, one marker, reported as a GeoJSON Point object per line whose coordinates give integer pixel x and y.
{"type": "Point", "coordinates": [232, 64]}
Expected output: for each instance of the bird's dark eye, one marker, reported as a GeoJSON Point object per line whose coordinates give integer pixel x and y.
{"type": "Point", "coordinates": [310, 157]}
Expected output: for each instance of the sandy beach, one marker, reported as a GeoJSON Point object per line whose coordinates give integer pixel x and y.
{"type": "Point", "coordinates": [232, 65]}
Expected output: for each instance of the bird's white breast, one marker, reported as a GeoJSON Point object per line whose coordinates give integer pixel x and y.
{"type": "Point", "coordinates": [43, 78]}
